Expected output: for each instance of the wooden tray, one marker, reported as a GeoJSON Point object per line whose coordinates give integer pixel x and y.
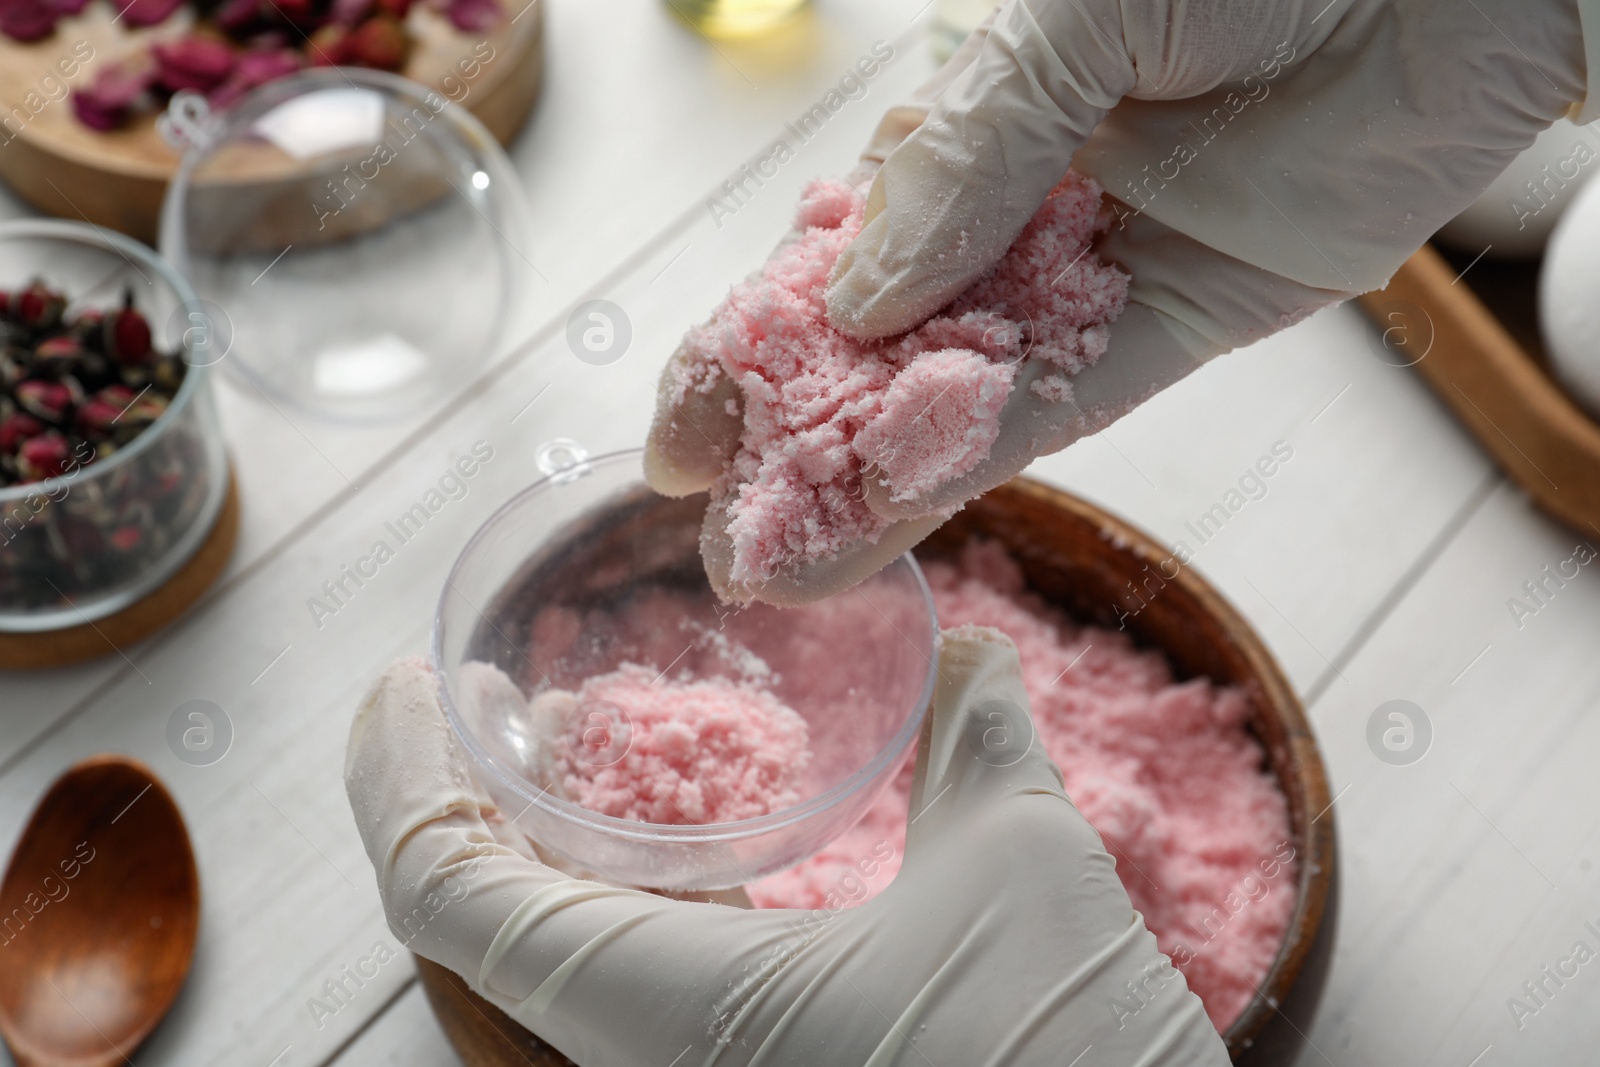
{"type": "Point", "coordinates": [91, 640]}
{"type": "Point", "coordinates": [1480, 349]}
{"type": "Point", "coordinates": [117, 179]}
{"type": "Point", "coordinates": [1085, 561]}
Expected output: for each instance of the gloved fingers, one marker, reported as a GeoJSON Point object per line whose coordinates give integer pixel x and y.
{"type": "Point", "coordinates": [1187, 303]}
{"type": "Point", "coordinates": [901, 119]}
{"type": "Point", "coordinates": [1212, 302]}
{"type": "Point", "coordinates": [979, 745]}
{"type": "Point", "coordinates": [805, 583]}
{"type": "Point", "coordinates": [696, 428]}
{"type": "Point", "coordinates": [1143, 357]}
{"type": "Point", "coordinates": [956, 192]}
{"type": "Point", "coordinates": [420, 815]}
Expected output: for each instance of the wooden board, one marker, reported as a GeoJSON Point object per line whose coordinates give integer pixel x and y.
{"type": "Point", "coordinates": [117, 179]}
{"type": "Point", "coordinates": [1494, 379]}
{"type": "Point", "coordinates": [1084, 561]}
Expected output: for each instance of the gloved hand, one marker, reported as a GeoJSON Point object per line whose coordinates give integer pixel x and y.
{"type": "Point", "coordinates": [1001, 941]}
{"type": "Point", "coordinates": [1265, 158]}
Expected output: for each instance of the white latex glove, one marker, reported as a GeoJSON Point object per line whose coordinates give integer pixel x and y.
{"type": "Point", "coordinates": [1001, 941]}
{"type": "Point", "coordinates": [1268, 158]}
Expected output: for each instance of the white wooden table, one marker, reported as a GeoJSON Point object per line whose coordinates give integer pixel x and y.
{"type": "Point", "coordinates": [1378, 566]}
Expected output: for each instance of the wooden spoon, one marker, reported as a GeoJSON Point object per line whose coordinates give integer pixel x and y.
{"type": "Point", "coordinates": [98, 916]}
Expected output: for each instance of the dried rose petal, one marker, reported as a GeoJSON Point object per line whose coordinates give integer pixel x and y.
{"type": "Point", "coordinates": [16, 428]}
{"type": "Point", "coordinates": [49, 401]}
{"type": "Point", "coordinates": [146, 12]}
{"type": "Point", "coordinates": [106, 102]}
{"type": "Point", "coordinates": [127, 336]}
{"type": "Point", "coordinates": [473, 16]}
{"type": "Point", "coordinates": [27, 20]}
{"type": "Point", "coordinates": [37, 307]}
{"type": "Point", "coordinates": [68, 7]}
{"type": "Point", "coordinates": [44, 456]}
{"type": "Point", "coordinates": [380, 42]}
{"type": "Point", "coordinates": [254, 68]}
{"type": "Point", "coordinates": [349, 12]}
{"type": "Point", "coordinates": [236, 17]}
{"type": "Point", "coordinates": [197, 63]}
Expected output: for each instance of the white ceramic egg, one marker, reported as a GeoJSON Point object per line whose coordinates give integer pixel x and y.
{"type": "Point", "coordinates": [1569, 299]}
{"type": "Point", "coordinates": [1516, 214]}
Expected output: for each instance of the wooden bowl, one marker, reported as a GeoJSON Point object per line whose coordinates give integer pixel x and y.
{"type": "Point", "coordinates": [1098, 569]}
{"type": "Point", "coordinates": [118, 179]}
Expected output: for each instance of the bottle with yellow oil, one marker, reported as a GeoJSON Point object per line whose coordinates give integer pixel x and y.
{"type": "Point", "coordinates": [735, 18]}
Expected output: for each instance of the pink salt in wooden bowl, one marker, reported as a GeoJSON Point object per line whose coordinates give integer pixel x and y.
{"type": "Point", "coordinates": [1099, 570]}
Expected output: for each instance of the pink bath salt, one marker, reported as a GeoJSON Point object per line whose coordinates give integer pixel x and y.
{"type": "Point", "coordinates": [1164, 770]}
{"type": "Point", "coordinates": [819, 406]}
{"type": "Point", "coordinates": [694, 752]}
{"type": "Point", "coordinates": [939, 417]}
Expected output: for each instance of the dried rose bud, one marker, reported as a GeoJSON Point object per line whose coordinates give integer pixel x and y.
{"type": "Point", "coordinates": [168, 372]}
{"type": "Point", "coordinates": [328, 46]}
{"type": "Point", "coordinates": [68, 7]}
{"type": "Point", "coordinates": [58, 355]}
{"type": "Point", "coordinates": [28, 20]}
{"type": "Point", "coordinates": [139, 415]}
{"type": "Point", "coordinates": [12, 360]}
{"type": "Point", "coordinates": [97, 417]}
{"type": "Point", "coordinates": [395, 9]}
{"type": "Point", "coordinates": [127, 335]}
{"type": "Point", "coordinates": [299, 13]}
{"type": "Point", "coordinates": [37, 307]}
{"type": "Point", "coordinates": [44, 456]}
{"type": "Point", "coordinates": [473, 16]}
{"type": "Point", "coordinates": [49, 401]}
{"type": "Point", "coordinates": [17, 428]}
{"type": "Point", "coordinates": [380, 43]}
{"type": "Point", "coordinates": [94, 371]}
{"type": "Point", "coordinates": [107, 102]}
{"type": "Point", "coordinates": [86, 322]}
{"type": "Point", "coordinates": [147, 12]}
{"type": "Point", "coordinates": [197, 63]}
{"type": "Point", "coordinates": [126, 538]}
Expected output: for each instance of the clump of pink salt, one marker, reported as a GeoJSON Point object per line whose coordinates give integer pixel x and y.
{"type": "Point", "coordinates": [691, 751]}
{"type": "Point", "coordinates": [823, 410]}
{"type": "Point", "coordinates": [1164, 770]}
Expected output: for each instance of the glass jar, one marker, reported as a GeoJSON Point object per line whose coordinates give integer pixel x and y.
{"type": "Point", "coordinates": [111, 529]}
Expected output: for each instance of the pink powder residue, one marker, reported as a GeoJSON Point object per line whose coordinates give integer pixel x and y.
{"type": "Point", "coordinates": [822, 410]}
{"type": "Point", "coordinates": [1164, 770]}
{"type": "Point", "coordinates": [696, 752]}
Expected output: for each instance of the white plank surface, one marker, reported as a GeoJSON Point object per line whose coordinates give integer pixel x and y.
{"type": "Point", "coordinates": [1376, 566]}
